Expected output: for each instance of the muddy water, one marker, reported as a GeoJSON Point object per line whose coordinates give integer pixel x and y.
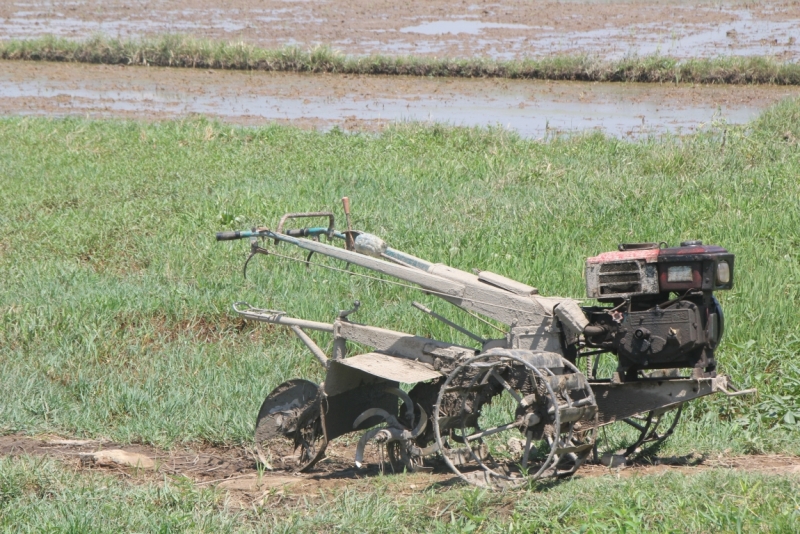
{"type": "Point", "coordinates": [361, 102]}
{"type": "Point", "coordinates": [508, 29]}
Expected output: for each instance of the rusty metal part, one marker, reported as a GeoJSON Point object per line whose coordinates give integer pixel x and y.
{"type": "Point", "coordinates": [349, 240]}
{"type": "Point", "coordinates": [448, 322]}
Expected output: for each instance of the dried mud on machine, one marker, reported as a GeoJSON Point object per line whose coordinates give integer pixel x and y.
{"type": "Point", "coordinates": [523, 406]}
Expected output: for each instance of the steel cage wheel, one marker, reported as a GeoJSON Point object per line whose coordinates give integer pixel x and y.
{"type": "Point", "coordinates": [560, 445]}
{"type": "Point", "coordinates": [650, 430]}
{"type": "Point", "coordinates": [662, 425]}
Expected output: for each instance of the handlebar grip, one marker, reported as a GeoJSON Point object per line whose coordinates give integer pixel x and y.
{"type": "Point", "coordinates": [229, 236]}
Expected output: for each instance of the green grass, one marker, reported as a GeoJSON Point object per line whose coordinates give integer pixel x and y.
{"type": "Point", "coordinates": [185, 51]}
{"type": "Point", "coordinates": [43, 495]}
{"type": "Point", "coordinates": [115, 313]}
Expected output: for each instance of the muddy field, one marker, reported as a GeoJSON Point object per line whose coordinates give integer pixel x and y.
{"type": "Point", "coordinates": [512, 29]}
{"type": "Point", "coordinates": [368, 103]}
{"type": "Point", "coordinates": [235, 469]}
{"type": "Point", "coordinates": [508, 30]}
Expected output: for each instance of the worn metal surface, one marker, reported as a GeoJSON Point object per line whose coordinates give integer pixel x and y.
{"type": "Point", "coordinates": [661, 335]}
{"type": "Point", "coordinates": [621, 279]}
{"type": "Point", "coordinates": [458, 287]}
{"type": "Point", "coordinates": [507, 284]}
{"type": "Point", "coordinates": [619, 401]}
{"type": "Point", "coordinates": [401, 344]}
{"type": "Point", "coordinates": [313, 347]}
{"type": "Point", "coordinates": [571, 316]}
{"type": "Point", "coordinates": [391, 368]}
{"type": "Point", "coordinates": [545, 336]}
{"type": "Point", "coordinates": [278, 317]}
{"type": "Point", "coordinates": [341, 378]}
{"type": "Point", "coordinates": [285, 408]}
{"type": "Point", "coordinates": [535, 358]}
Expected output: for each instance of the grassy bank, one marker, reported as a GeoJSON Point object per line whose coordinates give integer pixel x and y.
{"type": "Point", "coordinates": [42, 495]}
{"type": "Point", "coordinates": [182, 51]}
{"type": "Point", "coordinates": [115, 313]}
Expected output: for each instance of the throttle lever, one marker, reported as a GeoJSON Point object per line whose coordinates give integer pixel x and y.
{"type": "Point", "coordinates": [254, 249]}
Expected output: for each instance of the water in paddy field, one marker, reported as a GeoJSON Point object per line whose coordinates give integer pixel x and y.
{"type": "Point", "coordinates": [511, 29]}
{"type": "Point", "coordinates": [455, 27]}
{"type": "Point", "coordinates": [743, 35]}
{"type": "Point", "coordinates": [531, 108]}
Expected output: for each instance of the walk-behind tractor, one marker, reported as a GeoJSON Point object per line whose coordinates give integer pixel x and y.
{"type": "Point", "coordinates": [525, 405]}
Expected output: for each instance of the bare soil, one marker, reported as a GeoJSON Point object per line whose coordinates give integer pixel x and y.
{"type": "Point", "coordinates": [466, 28]}
{"type": "Point", "coordinates": [235, 469]}
{"type": "Point", "coordinates": [371, 102]}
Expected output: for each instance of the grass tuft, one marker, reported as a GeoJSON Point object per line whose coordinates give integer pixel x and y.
{"type": "Point", "coordinates": [191, 52]}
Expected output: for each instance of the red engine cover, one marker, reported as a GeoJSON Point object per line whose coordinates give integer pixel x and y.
{"type": "Point", "coordinates": [701, 260]}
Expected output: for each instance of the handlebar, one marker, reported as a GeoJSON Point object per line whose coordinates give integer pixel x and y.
{"type": "Point", "coordinates": [230, 236]}
{"type": "Point", "coordinates": [298, 232]}
{"type": "Point", "coordinates": [312, 232]}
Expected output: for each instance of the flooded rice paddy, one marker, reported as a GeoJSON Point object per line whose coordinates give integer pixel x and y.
{"type": "Point", "coordinates": [513, 29]}
{"type": "Point", "coordinates": [532, 108]}
{"type": "Point", "coordinates": [510, 29]}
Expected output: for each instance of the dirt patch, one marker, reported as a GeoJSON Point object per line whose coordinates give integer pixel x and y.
{"type": "Point", "coordinates": [532, 108]}
{"type": "Point", "coordinates": [204, 329]}
{"type": "Point", "coordinates": [511, 29]}
{"type": "Point", "coordinates": [693, 463]}
{"type": "Point", "coordinates": [198, 464]}
{"type": "Point", "coordinates": [235, 469]}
